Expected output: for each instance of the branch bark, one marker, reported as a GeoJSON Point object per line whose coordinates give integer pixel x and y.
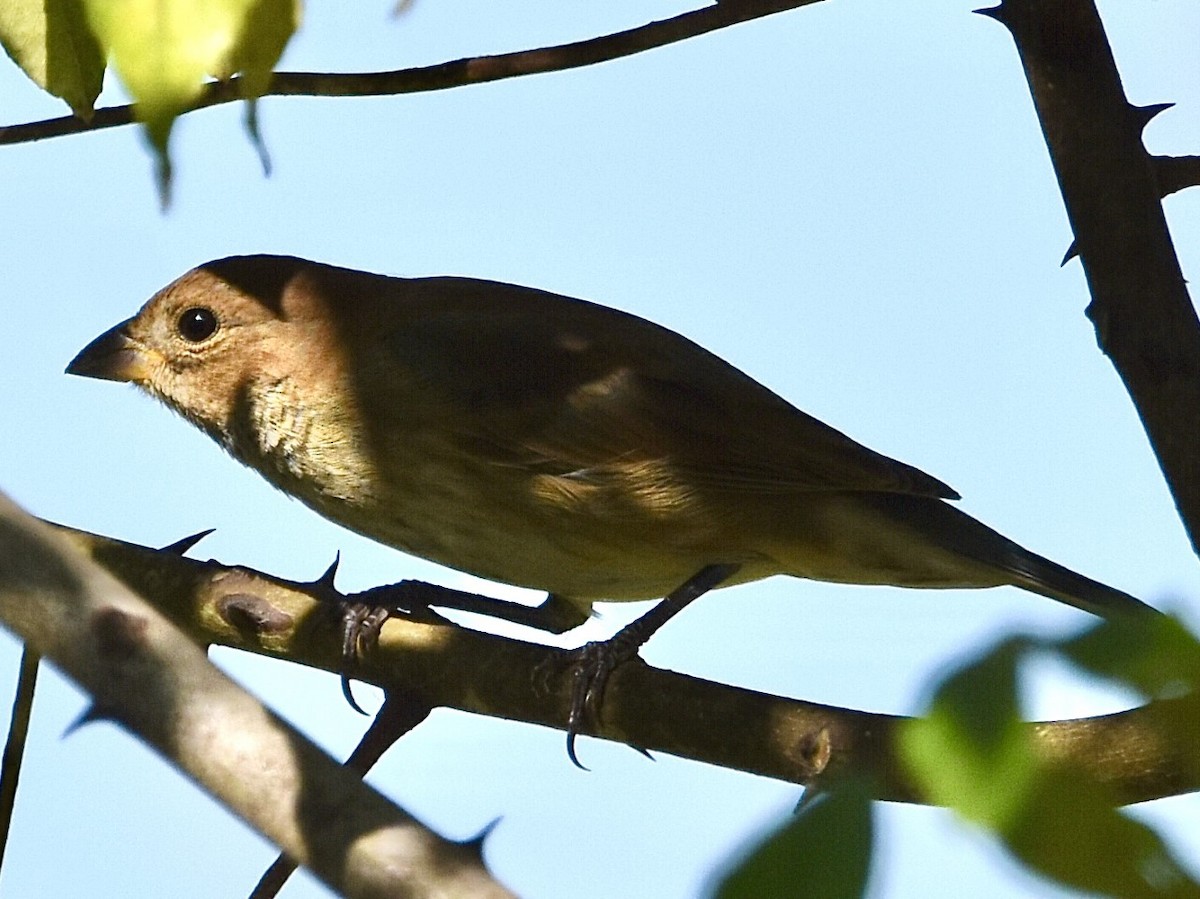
{"type": "Point", "coordinates": [1144, 319]}
{"type": "Point", "coordinates": [1175, 173]}
{"type": "Point", "coordinates": [440, 665]}
{"type": "Point", "coordinates": [456, 73]}
{"type": "Point", "coordinates": [142, 672]}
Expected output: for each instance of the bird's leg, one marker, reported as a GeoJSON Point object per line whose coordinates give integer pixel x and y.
{"type": "Point", "coordinates": [416, 600]}
{"type": "Point", "coordinates": [554, 615]}
{"type": "Point", "coordinates": [363, 615]}
{"type": "Point", "coordinates": [595, 662]}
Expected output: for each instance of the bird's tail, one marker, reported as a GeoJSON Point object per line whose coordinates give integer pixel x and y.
{"type": "Point", "coordinates": [946, 526]}
{"type": "Point", "coordinates": [1039, 575]}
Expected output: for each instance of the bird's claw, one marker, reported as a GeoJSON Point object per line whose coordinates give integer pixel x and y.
{"type": "Point", "coordinates": [361, 624]}
{"type": "Point", "coordinates": [590, 670]}
{"type": "Point", "coordinates": [361, 619]}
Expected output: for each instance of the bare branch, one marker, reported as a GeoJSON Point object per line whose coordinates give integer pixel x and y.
{"type": "Point", "coordinates": [14, 746]}
{"type": "Point", "coordinates": [1140, 306]}
{"type": "Point", "coordinates": [440, 665]}
{"type": "Point", "coordinates": [142, 672]}
{"type": "Point", "coordinates": [457, 73]}
{"type": "Point", "coordinates": [397, 717]}
{"type": "Point", "coordinates": [1175, 173]}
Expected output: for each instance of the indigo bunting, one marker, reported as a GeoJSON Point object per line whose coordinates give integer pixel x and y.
{"type": "Point", "coordinates": [543, 441]}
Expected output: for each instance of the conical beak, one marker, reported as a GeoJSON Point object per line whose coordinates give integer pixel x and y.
{"type": "Point", "coordinates": [114, 356]}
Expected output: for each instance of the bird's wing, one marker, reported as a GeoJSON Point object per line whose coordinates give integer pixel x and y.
{"type": "Point", "coordinates": [563, 386]}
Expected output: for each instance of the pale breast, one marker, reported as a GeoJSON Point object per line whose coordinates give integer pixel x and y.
{"type": "Point", "coordinates": [310, 449]}
{"type": "Point", "coordinates": [619, 531]}
{"type": "Point", "coordinates": [602, 533]}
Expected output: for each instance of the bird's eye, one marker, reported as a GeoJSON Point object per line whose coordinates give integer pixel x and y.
{"type": "Point", "coordinates": [197, 324]}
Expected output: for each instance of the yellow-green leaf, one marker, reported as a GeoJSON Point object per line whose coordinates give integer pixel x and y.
{"type": "Point", "coordinates": [1157, 656]}
{"type": "Point", "coordinates": [165, 50]}
{"type": "Point", "coordinates": [53, 44]}
{"type": "Point", "coordinates": [971, 752]}
{"type": "Point", "coordinates": [824, 852]}
{"type": "Point", "coordinates": [1070, 830]}
{"type": "Point", "coordinates": [268, 26]}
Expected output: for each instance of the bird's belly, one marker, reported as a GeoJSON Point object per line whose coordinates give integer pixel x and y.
{"type": "Point", "coordinates": [600, 547]}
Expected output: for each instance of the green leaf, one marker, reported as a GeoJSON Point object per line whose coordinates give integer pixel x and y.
{"type": "Point", "coordinates": [1070, 830]}
{"type": "Point", "coordinates": [52, 43]}
{"type": "Point", "coordinates": [824, 852]}
{"type": "Point", "coordinates": [266, 29]}
{"type": "Point", "coordinates": [165, 50]}
{"type": "Point", "coordinates": [973, 754]}
{"type": "Point", "coordinates": [269, 26]}
{"type": "Point", "coordinates": [971, 751]}
{"type": "Point", "coordinates": [1157, 656]}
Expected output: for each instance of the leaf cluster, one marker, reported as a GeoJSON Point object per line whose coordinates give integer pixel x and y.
{"type": "Point", "coordinates": [163, 53]}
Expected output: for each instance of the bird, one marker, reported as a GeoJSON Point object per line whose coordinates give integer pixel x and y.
{"type": "Point", "coordinates": [542, 441]}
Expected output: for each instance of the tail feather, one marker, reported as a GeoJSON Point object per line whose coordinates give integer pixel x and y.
{"type": "Point", "coordinates": [942, 525]}
{"type": "Point", "coordinates": [1039, 575]}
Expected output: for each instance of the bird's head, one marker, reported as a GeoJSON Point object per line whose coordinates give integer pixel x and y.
{"type": "Point", "coordinates": [211, 341]}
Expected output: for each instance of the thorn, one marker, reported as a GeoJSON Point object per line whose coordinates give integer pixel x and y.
{"type": "Point", "coordinates": [640, 751]}
{"type": "Point", "coordinates": [1072, 252]}
{"type": "Point", "coordinates": [90, 715]}
{"type": "Point", "coordinates": [997, 13]}
{"type": "Point", "coordinates": [1142, 115]}
{"type": "Point", "coordinates": [180, 547]}
{"type": "Point", "coordinates": [326, 579]}
{"type": "Point", "coordinates": [476, 842]}
{"type": "Point", "coordinates": [808, 798]}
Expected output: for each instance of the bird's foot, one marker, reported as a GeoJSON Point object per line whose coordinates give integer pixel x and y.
{"type": "Point", "coordinates": [589, 670]}
{"type": "Point", "coordinates": [593, 664]}
{"type": "Point", "coordinates": [361, 617]}
{"type": "Point", "coordinates": [360, 626]}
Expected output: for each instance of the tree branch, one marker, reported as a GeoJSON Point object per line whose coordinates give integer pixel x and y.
{"type": "Point", "coordinates": [1144, 319]}
{"type": "Point", "coordinates": [142, 672]}
{"type": "Point", "coordinates": [14, 746]}
{"type": "Point", "coordinates": [801, 742]}
{"type": "Point", "coordinates": [1175, 173]}
{"type": "Point", "coordinates": [457, 73]}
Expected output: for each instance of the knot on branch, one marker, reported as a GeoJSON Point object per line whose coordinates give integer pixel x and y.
{"type": "Point", "coordinates": [119, 635]}
{"type": "Point", "coordinates": [249, 613]}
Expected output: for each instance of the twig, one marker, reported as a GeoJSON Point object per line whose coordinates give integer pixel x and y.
{"type": "Point", "coordinates": [14, 746]}
{"type": "Point", "coordinates": [1140, 306]}
{"type": "Point", "coordinates": [457, 73]}
{"type": "Point", "coordinates": [1175, 173]}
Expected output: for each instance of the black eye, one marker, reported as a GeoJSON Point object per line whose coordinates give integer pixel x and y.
{"type": "Point", "coordinates": [197, 324]}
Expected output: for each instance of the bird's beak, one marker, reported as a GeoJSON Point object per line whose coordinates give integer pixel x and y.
{"type": "Point", "coordinates": [113, 356]}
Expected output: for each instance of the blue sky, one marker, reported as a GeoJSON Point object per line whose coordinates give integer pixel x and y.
{"type": "Point", "coordinates": [852, 202]}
